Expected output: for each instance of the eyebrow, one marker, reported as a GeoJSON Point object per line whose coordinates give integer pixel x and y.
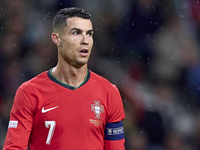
{"type": "Point", "coordinates": [77, 29]}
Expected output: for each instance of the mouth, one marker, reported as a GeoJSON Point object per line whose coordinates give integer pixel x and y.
{"type": "Point", "coordinates": [84, 52]}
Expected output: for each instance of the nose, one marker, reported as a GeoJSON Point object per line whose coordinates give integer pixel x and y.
{"type": "Point", "coordinates": [85, 40]}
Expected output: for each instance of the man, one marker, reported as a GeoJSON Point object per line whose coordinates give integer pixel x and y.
{"type": "Point", "coordinates": [68, 107]}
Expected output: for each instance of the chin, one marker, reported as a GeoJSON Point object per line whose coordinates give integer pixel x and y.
{"type": "Point", "coordinates": [83, 61]}
{"type": "Point", "coordinates": [80, 64]}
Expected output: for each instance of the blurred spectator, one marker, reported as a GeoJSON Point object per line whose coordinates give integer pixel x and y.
{"type": "Point", "coordinates": [135, 31]}
{"type": "Point", "coordinates": [174, 52]}
{"type": "Point", "coordinates": [195, 7]}
{"type": "Point", "coordinates": [174, 141]}
{"type": "Point", "coordinates": [138, 141]}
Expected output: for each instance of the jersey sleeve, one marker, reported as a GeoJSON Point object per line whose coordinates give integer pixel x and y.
{"type": "Point", "coordinates": [116, 110]}
{"type": "Point", "coordinates": [114, 132]}
{"type": "Point", "coordinates": [20, 124]}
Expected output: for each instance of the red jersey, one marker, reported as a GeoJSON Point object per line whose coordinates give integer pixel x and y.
{"type": "Point", "coordinates": [48, 114]}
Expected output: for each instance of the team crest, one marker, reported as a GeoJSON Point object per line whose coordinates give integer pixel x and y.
{"type": "Point", "coordinates": [97, 108]}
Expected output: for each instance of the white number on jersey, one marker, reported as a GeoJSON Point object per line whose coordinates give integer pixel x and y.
{"type": "Point", "coordinates": [51, 125]}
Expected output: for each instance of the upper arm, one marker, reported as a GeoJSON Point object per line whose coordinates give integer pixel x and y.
{"type": "Point", "coordinates": [116, 109]}
{"type": "Point", "coordinates": [114, 131]}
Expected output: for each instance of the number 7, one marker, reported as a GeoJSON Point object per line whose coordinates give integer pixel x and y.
{"type": "Point", "coordinates": [52, 125]}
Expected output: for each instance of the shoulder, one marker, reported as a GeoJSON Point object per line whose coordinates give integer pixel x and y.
{"type": "Point", "coordinates": [28, 92]}
{"type": "Point", "coordinates": [38, 80]}
{"type": "Point", "coordinates": [102, 81]}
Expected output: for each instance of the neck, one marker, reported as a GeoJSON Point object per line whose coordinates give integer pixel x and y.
{"type": "Point", "coordinates": [70, 75]}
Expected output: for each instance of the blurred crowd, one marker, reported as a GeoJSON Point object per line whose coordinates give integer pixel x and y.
{"type": "Point", "coordinates": [149, 48]}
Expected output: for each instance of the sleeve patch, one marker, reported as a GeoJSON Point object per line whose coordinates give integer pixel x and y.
{"type": "Point", "coordinates": [114, 131]}
{"type": "Point", "coordinates": [12, 124]}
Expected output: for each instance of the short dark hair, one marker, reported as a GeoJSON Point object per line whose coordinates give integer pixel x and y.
{"type": "Point", "coordinates": [60, 20]}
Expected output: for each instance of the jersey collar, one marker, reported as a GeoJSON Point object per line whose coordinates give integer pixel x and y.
{"type": "Point", "coordinates": [52, 78]}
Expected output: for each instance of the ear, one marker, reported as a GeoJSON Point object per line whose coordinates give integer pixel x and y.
{"type": "Point", "coordinates": [55, 38]}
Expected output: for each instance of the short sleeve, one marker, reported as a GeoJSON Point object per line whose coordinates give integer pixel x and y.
{"type": "Point", "coordinates": [116, 109]}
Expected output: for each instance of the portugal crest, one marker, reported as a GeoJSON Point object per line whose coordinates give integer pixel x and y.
{"type": "Point", "coordinates": [97, 108]}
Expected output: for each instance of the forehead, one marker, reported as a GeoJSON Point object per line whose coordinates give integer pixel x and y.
{"type": "Point", "coordinates": [76, 22]}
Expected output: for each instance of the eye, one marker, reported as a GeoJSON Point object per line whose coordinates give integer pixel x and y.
{"type": "Point", "coordinates": [75, 33]}
{"type": "Point", "coordinates": [90, 33]}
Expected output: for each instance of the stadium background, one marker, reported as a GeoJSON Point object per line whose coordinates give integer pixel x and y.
{"type": "Point", "coordinates": [149, 48]}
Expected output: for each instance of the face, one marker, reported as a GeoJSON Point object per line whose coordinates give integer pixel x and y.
{"type": "Point", "coordinates": [76, 41]}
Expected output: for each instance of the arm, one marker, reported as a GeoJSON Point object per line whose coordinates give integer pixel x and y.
{"type": "Point", "coordinates": [114, 136]}
{"type": "Point", "coordinates": [114, 132]}
{"type": "Point", "coordinates": [20, 124]}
